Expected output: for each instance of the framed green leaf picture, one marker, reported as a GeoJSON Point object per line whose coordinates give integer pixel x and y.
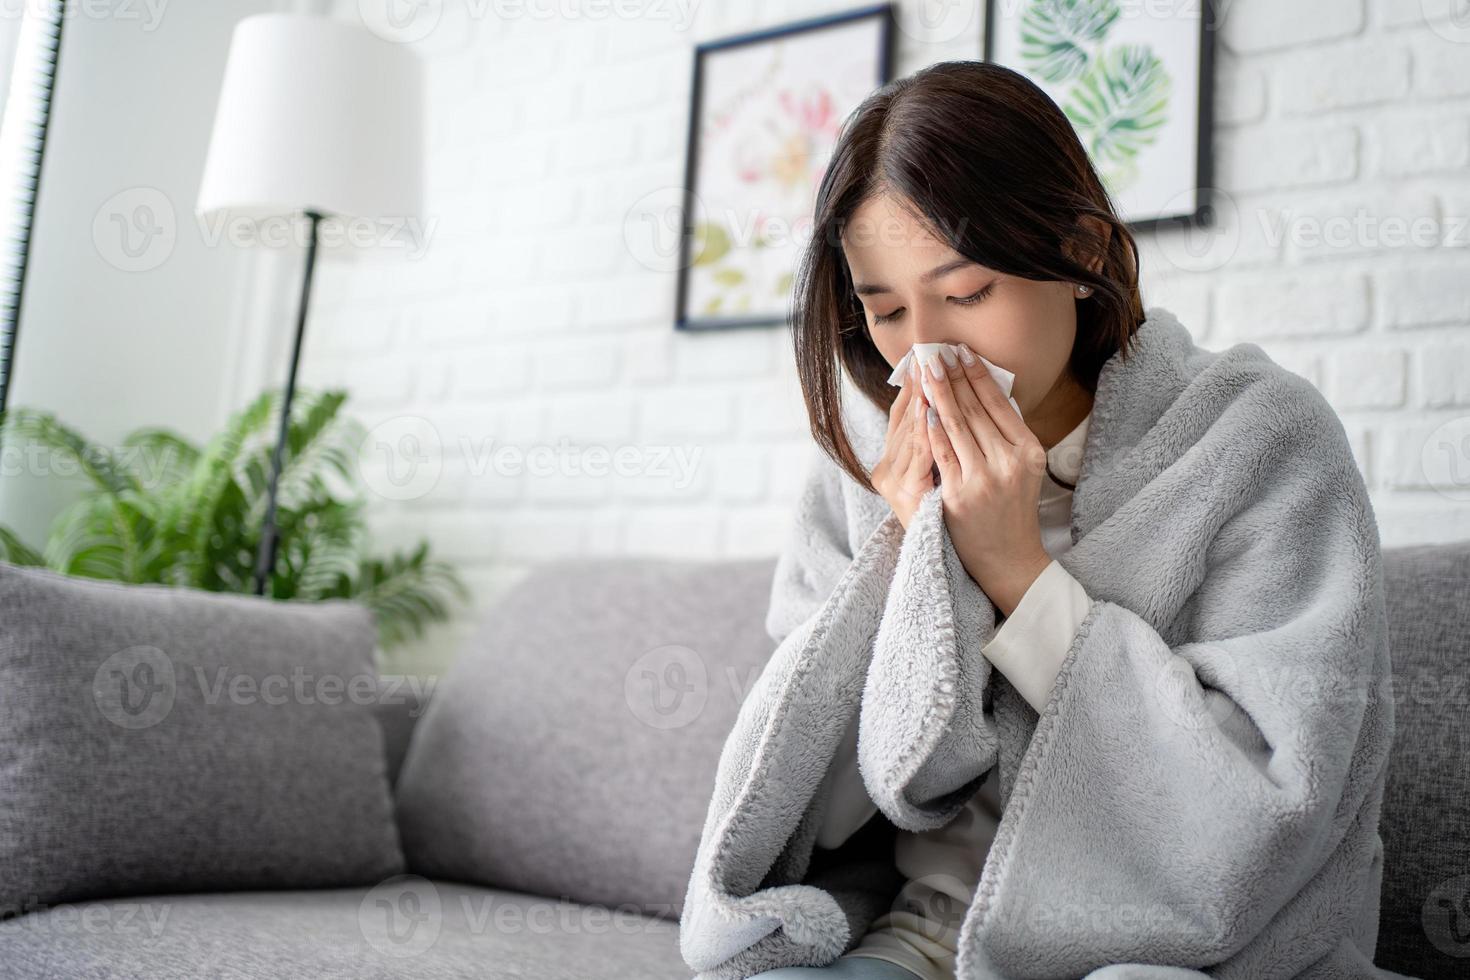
{"type": "Point", "coordinates": [1135, 80]}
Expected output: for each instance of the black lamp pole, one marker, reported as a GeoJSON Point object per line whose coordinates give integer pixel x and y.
{"type": "Point", "coordinates": [265, 560]}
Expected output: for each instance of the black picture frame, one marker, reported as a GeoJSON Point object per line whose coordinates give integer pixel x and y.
{"type": "Point", "coordinates": [884, 15]}
{"type": "Point", "coordinates": [1204, 214]}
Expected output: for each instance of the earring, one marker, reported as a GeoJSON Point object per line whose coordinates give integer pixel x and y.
{"type": "Point", "coordinates": [1083, 290]}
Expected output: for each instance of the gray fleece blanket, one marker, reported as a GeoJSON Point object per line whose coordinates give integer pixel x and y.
{"type": "Point", "coordinates": [1200, 795]}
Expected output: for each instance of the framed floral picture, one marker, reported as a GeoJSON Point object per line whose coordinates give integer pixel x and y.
{"type": "Point", "coordinates": [1135, 80]}
{"type": "Point", "coordinates": [765, 109]}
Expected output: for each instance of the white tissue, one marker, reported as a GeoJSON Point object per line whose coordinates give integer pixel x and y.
{"type": "Point", "coordinates": [927, 352]}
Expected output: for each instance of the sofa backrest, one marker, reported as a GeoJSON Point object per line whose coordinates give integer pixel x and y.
{"type": "Point", "coordinates": [398, 709]}
{"type": "Point", "coordinates": [570, 750]}
{"type": "Point", "coordinates": [1424, 921]}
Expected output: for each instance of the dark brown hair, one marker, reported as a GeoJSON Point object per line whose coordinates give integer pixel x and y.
{"type": "Point", "coordinates": [993, 167]}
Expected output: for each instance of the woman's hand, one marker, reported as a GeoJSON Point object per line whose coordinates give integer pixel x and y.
{"type": "Point", "coordinates": [905, 472]}
{"type": "Point", "coordinates": [990, 466]}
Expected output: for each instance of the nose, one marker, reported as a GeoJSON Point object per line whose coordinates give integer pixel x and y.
{"type": "Point", "coordinates": [929, 329]}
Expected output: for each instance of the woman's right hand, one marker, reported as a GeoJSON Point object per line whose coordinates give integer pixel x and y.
{"type": "Point", "coordinates": [904, 473]}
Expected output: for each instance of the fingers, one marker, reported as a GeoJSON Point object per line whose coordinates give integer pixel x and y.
{"type": "Point", "coordinates": [950, 471]}
{"type": "Point", "coordinates": [921, 460]}
{"type": "Point", "coordinates": [973, 409]}
{"type": "Point", "coordinates": [903, 450]}
{"type": "Point", "coordinates": [1002, 415]}
{"type": "Point", "coordinates": [903, 403]}
{"type": "Point", "coordinates": [966, 437]}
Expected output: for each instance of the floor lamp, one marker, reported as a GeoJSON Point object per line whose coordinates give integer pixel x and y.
{"type": "Point", "coordinates": [316, 118]}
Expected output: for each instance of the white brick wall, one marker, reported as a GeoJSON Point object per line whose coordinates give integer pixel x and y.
{"type": "Point", "coordinates": [1343, 154]}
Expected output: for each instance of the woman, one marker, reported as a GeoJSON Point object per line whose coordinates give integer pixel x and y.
{"type": "Point", "coordinates": [1057, 782]}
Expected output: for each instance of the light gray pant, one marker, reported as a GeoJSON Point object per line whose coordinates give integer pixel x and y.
{"type": "Point", "coordinates": [842, 968]}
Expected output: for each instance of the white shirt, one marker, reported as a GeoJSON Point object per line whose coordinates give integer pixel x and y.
{"type": "Point", "coordinates": [943, 866]}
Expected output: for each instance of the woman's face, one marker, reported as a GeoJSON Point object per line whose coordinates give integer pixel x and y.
{"type": "Point", "coordinates": [916, 289]}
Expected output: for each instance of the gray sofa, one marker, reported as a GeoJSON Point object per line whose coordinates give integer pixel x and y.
{"type": "Point", "coordinates": [549, 803]}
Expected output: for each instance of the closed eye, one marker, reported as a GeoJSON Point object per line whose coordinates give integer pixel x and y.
{"type": "Point", "coordinates": [975, 297]}
{"type": "Point", "coordinates": [969, 300]}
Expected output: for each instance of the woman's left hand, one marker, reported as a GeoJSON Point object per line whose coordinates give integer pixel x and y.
{"type": "Point", "coordinates": [991, 466]}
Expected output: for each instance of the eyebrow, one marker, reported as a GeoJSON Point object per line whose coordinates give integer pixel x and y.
{"type": "Point", "coordinates": [869, 288]}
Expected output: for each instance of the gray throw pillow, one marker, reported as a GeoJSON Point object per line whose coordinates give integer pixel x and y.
{"type": "Point", "coordinates": [570, 750]}
{"type": "Point", "coordinates": [162, 740]}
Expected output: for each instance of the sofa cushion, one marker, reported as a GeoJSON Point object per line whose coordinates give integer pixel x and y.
{"type": "Point", "coordinates": [1424, 919]}
{"type": "Point", "coordinates": [406, 928]}
{"type": "Point", "coordinates": [571, 749]}
{"type": "Point", "coordinates": [161, 740]}
{"type": "Point", "coordinates": [402, 701]}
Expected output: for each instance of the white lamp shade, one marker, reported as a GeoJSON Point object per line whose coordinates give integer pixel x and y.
{"type": "Point", "coordinates": [316, 114]}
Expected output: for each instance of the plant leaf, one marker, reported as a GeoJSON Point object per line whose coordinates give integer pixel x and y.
{"type": "Point", "coordinates": [711, 243]}
{"type": "Point", "coordinates": [93, 461]}
{"type": "Point", "coordinates": [1120, 104]}
{"type": "Point", "coordinates": [170, 513]}
{"type": "Point", "coordinates": [1055, 35]}
{"type": "Point", "coordinates": [16, 551]}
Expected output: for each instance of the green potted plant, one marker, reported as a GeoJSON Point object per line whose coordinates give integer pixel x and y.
{"type": "Point", "coordinates": [159, 509]}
